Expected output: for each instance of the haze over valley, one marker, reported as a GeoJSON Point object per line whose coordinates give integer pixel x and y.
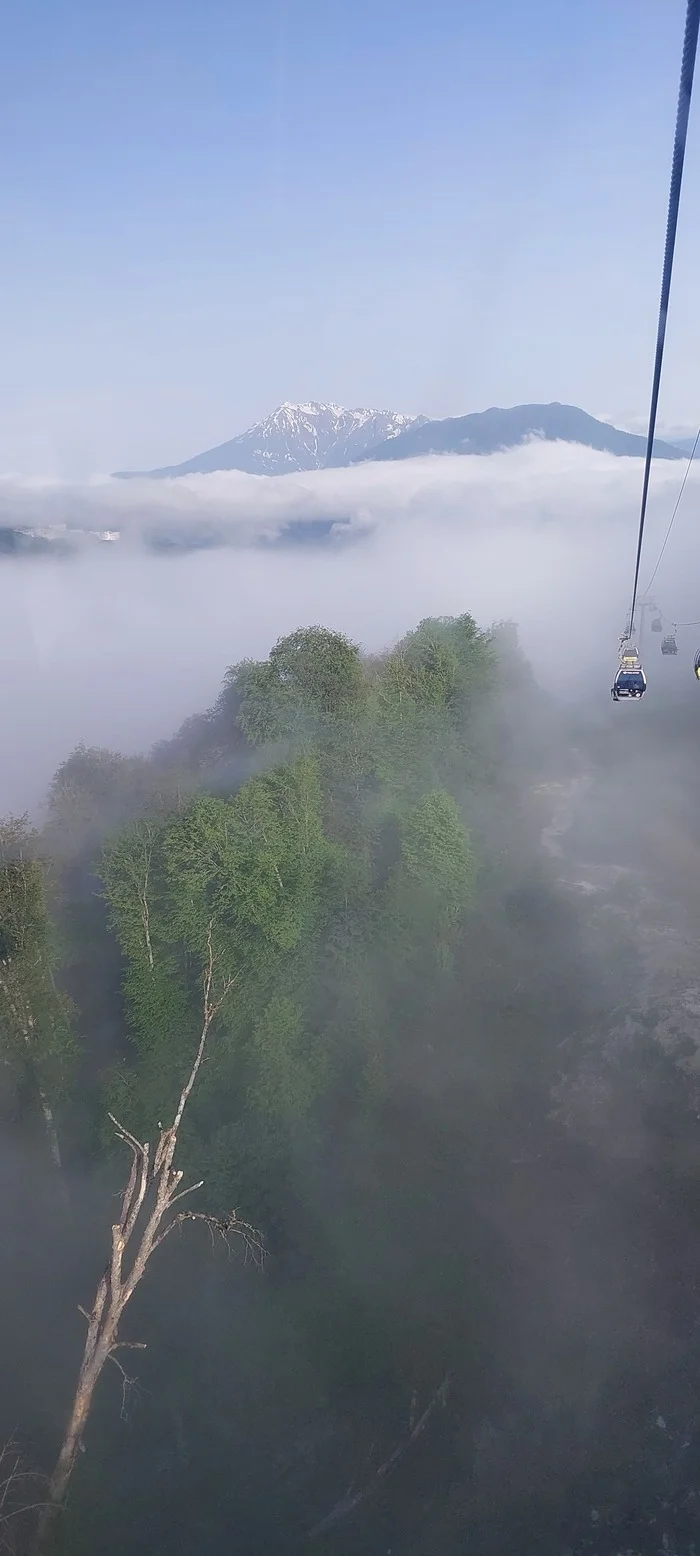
{"type": "Point", "coordinates": [349, 926]}
{"type": "Point", "coordinates": [116, 645]}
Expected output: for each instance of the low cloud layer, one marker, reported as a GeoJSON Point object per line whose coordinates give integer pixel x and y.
{"type": "Point", "coordinates": [117, 646]}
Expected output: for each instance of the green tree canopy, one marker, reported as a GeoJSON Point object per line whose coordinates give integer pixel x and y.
{"type": "Point", "coordinates": [35, 1016]}
{"type": "Point", "coordinates": [312, 676]}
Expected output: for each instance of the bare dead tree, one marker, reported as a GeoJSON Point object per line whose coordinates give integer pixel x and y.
{"type": "Point", "coordinates": [147, 1218]}
{"type": "Point", "coordinates": [352, 1498]}
{"type": "Point", "coordinates": [21, 1497]}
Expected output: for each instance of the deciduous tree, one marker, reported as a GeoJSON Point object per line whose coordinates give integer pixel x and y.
{"type": "Point", "coordinates": [35, 1017]}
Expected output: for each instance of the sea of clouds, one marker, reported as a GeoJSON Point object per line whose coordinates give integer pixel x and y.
{"type": "Point", "coordinates": [119, 644]}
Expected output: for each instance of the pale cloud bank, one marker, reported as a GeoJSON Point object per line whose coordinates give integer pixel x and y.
{"type": "Point", "coordinates": [117, 646]}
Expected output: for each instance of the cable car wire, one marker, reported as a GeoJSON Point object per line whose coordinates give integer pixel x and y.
{"type": "Point", "coordinates": [673, 515]}
{"type": "Point", "coordinates": [677, 624]}
{"type": "Point", "coordinates": [690, 45]}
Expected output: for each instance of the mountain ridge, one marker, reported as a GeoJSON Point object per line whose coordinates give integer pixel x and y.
{"type": "Point", "coordinates": [686, 445]}
{"type": "Point", "coordinates": [497, 429]}
{"type": "Point", "coordinates": [314, 435]}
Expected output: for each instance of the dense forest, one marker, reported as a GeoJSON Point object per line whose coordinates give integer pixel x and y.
{"type": "Point", "coordinates": [298, 994]}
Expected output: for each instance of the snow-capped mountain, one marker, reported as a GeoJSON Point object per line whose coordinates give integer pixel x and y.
{"type": "Point", "coordinates": [311, 436]}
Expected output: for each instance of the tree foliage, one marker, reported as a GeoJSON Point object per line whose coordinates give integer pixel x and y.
{"type": "Point", "coordinates": [35, 1016]}
{"type": "Point", "coordinates": [312, 677]}
{"type": "Point", "coordinates": [425, 689]}
{"type": "Point", "coordinates": [347, 858]}
{"type": "Point", "coordinates": [250, 865]}
{"type": "Point", "coordinates": [251, 862]}
{"type": "Point", "coordinates": [321, 877]}
{"type": "Point", "coordinates": [433, 884]}
{"type": "Point", "coordinates": [291, 1062]}
{"type": "Point", "coordinates": [317, 859]}
{"type": "Point", "coordinates": [96, 792]}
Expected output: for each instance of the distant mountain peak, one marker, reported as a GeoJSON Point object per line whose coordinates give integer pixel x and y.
{"type": "Point", "coordinates": [291, 410]}
{"type": "Point", "coordinates": [311, 435]}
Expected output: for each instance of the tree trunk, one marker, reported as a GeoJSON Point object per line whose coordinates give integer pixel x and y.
{"type": "Point", "coordinates": [25, 1021]}
{"type": "Point", "coordinates": [70, 1446]}
{"type": "Point", "coordinates": [54, 1146]}
{"type": "Point", "coordinates": [65, 1464]}
{"type": "Point", "coordinates": [51, 1131]}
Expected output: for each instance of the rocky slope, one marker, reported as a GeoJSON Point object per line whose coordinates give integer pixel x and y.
{"type": "Point", "coordinates": [311, 436]}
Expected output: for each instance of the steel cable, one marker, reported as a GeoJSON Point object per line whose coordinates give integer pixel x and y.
{"type": "Point", "coordinates": [690, 45]}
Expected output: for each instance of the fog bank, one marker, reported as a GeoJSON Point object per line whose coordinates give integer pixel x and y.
{"type": "Point", "coordinates": [117, 646]}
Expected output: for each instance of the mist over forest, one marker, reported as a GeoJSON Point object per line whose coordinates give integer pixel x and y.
{"type": "Point", "coordinates": [353, 841]}
{"type": "Point", "coordinates": [349, 823]}
{"type": "Point", "coordinates": [118, 645]}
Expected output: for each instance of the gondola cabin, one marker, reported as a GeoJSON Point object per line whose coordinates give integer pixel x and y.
{"type": "Point", "coordinates": [630, 681]}
{"type": "Point", "coordinates": [669, 644]}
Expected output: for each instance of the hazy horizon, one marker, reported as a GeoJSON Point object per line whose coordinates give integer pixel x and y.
{"type": "Point", "coordinates": [216, 209]}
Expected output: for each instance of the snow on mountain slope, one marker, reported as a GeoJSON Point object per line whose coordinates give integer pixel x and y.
{"type": "Point", "coordinates": [311, 436]}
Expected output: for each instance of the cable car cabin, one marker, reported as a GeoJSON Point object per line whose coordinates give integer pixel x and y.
{"type": "Point", "coordinates": [630, 680]}
{"type": "Point", "coordinates": [657, 625]}
{"type": "Point", "coordinates": [669, 645]}
{"type": "Point", "coordinates": [630, 683]}
{"type": "Point", "coordinates": [696, 666]}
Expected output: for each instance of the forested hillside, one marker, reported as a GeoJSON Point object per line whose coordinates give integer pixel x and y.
{"type": "Point", "coordinates": [309, 949]}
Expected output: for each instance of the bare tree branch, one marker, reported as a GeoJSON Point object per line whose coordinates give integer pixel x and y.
{"type": "Point", "coordinates": [226, 1228]}
{"type": "Point", "coordinates": [129, 1386]}
{"type": "Point", "coordinates": [18, 1501]}
{"type": "Point", "coordinates": [146, 1219]}
{"type": "Point", "coordinates": [211, 1009]}
{"type": "Point", "coordinates": [191, 1190]}
{"type": "Point", "coordinates": [351, 1500]}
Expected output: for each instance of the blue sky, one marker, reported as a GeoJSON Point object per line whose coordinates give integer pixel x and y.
{"type": "Point", "coordinates": [210, 206]}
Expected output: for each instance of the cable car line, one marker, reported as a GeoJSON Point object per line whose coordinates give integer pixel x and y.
{"type": "Point", "coordinates": [690, 45]}
{"type": "Point", "coordinates": [670, 522]}
{"type": "Point", "coordinates": [677, 624]}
